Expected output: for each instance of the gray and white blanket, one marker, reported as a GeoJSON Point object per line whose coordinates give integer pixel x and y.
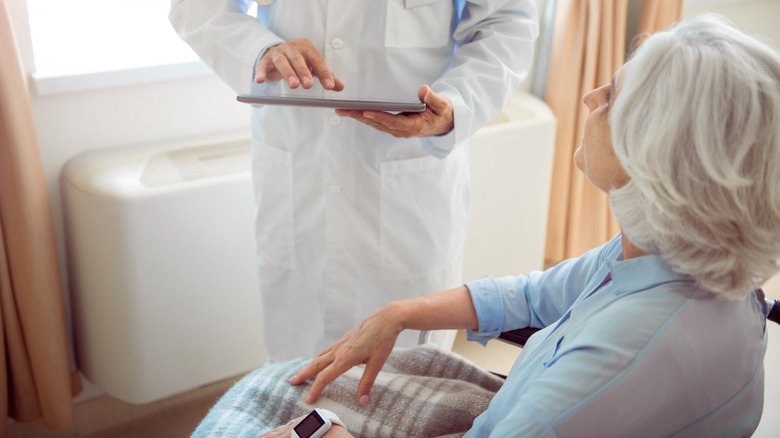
{"type": "Point", "coordinates": [421, 392]}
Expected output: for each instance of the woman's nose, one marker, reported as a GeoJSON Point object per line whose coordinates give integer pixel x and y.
{"type": "Point", "coordinates": [589, 99]}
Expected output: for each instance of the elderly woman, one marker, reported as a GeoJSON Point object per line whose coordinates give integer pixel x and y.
{"type": "Point", "coordinates": [661, 331]}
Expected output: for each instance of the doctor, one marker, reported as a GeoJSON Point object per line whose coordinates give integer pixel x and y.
{"type": "Point", "coordinates": [357, 209]}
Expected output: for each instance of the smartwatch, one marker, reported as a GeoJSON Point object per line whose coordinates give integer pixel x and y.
{"type": "Point", "coordinates": [316, 424]}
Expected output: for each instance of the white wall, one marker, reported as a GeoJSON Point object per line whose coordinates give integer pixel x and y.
{"type": "Point", "coordinates": [71, 123]}
{"type": "Point", "coordinates": [755, 17]}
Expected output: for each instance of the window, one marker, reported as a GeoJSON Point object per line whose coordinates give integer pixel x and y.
{"type": "Point", "coordinates": [80, 44]}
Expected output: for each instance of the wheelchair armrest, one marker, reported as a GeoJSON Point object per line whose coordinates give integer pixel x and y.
{"type": "Point", "coordinates": [774, 312]}
{"type": "Point", "coordinates": [518, 337]}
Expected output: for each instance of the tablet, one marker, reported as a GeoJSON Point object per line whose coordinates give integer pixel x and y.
{"type": "Point", "coordinates": [348, 104]}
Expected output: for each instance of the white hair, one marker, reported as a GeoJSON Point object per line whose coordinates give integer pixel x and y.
{"type": "Point", "coordinates": [696, 126]}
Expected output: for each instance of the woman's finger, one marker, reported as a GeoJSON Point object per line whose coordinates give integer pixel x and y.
{"type": "Point", "coordinates": [326, 376]}
{"type": "Point", "coordinates": [373, 367]}
{"type": "Point", "coordinates": [322, 361]}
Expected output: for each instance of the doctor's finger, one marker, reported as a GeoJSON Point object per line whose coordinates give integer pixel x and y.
{"type": "Point", "coordinates": [299, 64]}
{"type": "Point", "coordinates": [399, 125]}
{"type": "Point", "coordinates": [319, 68]}
{"type": "Point", "coordinates": [266, 71]}
{"type": "Point", "coordinates": [436, 102]}
{"type": "Point", "coordinates": [359, 115]}
{"type": "Point", "coordinates": [282, 64]}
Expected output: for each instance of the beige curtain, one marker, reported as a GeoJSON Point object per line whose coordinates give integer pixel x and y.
{"type": "Point", "coordinates": [35, 376]}
{"type": "Point", "coordinates": [588, 48]}
{"type": "Point", "coordinates": [657, 15]}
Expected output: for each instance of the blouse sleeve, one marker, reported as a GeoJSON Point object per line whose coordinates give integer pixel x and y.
{"type": "Point", "coordinates": [538, 299]}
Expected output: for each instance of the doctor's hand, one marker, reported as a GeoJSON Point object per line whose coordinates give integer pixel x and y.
{"type": "Point", "coordinates": [369, 343]}
{"type": "Point", "coordinates": [297, 62]}
{"type": "Point", "coordinates": [437, 119]}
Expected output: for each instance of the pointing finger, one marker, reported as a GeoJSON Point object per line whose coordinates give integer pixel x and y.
{"type": "Point", "coordinates": [299, 66]}
{"type": "Point", "coordinates": [287, 72]}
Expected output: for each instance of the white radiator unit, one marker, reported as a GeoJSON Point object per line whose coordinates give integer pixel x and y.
{"type": "Point", "coordinates": [511, 171]}
{"type": "Point", "coordinates": [161, 249]}
{"type": "Point", "coordinates": [164, 290]}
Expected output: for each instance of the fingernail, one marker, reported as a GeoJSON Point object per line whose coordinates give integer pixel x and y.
{"type": "Point", "coordinates": [306, 81]}
{"type": "Point", "coordinates": [329, 83]}
{"type": "Point", "coordinates": [291, 379]}
{"type": "Point", "coordinates": [369, 115]}
{"type": "Point", "coordinates": [291, 81]}
{"type": "Point", "coordinates": [363, 400]}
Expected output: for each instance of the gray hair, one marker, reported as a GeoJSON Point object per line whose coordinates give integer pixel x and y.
{"type": "Point", "coordinates": [696, 125]}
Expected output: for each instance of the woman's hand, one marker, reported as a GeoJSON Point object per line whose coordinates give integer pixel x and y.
{"type": "Point", "coordinates": [283, 431]}
{"type": "Point", "coordinates": [296, 62]}
{"type": "Point", "coordinates": [369, 343]}
{"type": "Point", "coordinates": [437, 119]}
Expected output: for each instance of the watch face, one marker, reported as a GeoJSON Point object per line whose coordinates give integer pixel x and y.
{"type": "Point", "coordinates": [309, 425]}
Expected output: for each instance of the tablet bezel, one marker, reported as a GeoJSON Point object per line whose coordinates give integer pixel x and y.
{"type": "Point", "coordinates": [347, 104]}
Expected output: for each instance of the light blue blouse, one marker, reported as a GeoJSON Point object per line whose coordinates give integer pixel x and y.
{"type": "Point", "coordinates": [630, 349]}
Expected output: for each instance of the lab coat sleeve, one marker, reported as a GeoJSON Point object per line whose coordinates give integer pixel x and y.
{"type": "Point", "coordinates": [536, 300]}
{"type": "Point", "coordinates": [224, 36]}
{"type": "Point", "coordinates": [495, 50]}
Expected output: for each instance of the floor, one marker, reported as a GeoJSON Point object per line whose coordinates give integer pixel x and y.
{"type": "Point", "coordinates": [105, 416]}
{"type": "Point", "coordinates": [178, 416]}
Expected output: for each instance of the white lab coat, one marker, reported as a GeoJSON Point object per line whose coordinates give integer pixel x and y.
{"type": "Point", "coordinates": [348, 217]}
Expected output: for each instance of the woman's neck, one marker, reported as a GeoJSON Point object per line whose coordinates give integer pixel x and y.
{"type": "Point", "coordinates": [630, 250]}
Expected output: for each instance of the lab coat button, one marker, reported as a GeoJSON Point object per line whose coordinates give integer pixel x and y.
{"type": "Point", "coordinates": [264, 2]}
{"type": "Point", "coordinates": [337, 43]}
{"type": "Point", "coordinates": [335, 189]}
{"type": "Point", "coordinates": [335, 120]}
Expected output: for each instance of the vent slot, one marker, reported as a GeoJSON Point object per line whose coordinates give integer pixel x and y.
{"type": "Point", "coordinates": [196, 163]}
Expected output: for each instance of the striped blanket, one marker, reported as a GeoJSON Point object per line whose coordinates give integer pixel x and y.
{"type": "Point", "coordinates": [421, 392]}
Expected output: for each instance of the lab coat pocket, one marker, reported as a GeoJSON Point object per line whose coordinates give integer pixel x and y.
{"type": "Point", "coordinates": [274, 224]}
{"type": "Point", "coordinates": [418, 23]}
{"type": "Point", "coordinates": [424, 210]}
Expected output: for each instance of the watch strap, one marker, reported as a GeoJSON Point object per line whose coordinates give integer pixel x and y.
{"type": "Point", "coordinates": [332, 417]}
